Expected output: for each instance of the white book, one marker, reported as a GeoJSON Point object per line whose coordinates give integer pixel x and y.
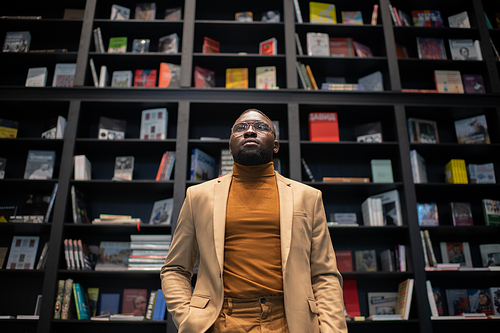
{"type": "Point", "coordinates": [83, 168]}
{"type": "Point", "coordinates": [154, 124]}
{"type": "Point", "coordinates": [386, 261]}
{"type": "Point", "coordinates": [432, 300]}
{"type": "Point", "coordinates": [122, 79]}
{"type": "Point", "coordinates": [456, 253]}
{"type": "Point", "coordinates": [37, 77]}
{"type": "Point", "coordinates": [103, 77]}
{"type": "Point", "coordinates": [418, 170]}
{"type": "Point", "coordinates": [391, 207]}
{"type": "Point", "coordinates": [55, 128]}
{"type": "Point", "coordinates": [402, 257]}
{"type": "Point", "coordinates": [365, 210]}
{"type": "Point", "coordinates": [318, 44]}
{"type": "Point", "coordinates": [94, 73]}
{"type": "Point", "coordinates": [465, 49]}
{"type": "Point", "coordinates": [162, 212]}
{"type": "Point", "coordinates": [119, 13]}
{"type": "Point", "coordinates": [22, 254]}
{"type": "Point", "coordinates": [64, 75]}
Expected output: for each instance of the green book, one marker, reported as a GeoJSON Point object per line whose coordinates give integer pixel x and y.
{"type": "Point", "coordinates": [382, 171]}
{"type": "Point", "coordinates": [117, 45]}
{"type": "Point", "coordinates": [491, 212]}
{"type": "Point", "coordinates": [488, 23]}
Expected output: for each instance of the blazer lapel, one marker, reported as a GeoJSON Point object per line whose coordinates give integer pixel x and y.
{"type": "Point", "coordinates": [221, 193]}
{"type": "Point", "coordinates": [286, 215]}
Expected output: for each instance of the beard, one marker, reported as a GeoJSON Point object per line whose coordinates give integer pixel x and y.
{"type": "Point", "coordinates": [251, 157]}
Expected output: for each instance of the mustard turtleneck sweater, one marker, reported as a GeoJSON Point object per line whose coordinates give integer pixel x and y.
{"type": "Point", "coordinates": [252, 249]}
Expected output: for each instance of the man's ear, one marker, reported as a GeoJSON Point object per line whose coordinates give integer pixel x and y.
{"type": "Point", "coordinates": [276, 146]}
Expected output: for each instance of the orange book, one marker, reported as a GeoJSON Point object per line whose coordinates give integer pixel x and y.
{"type": "Point", "coordinates": [323, 126]}
{"type": "Point", "coordinates": [311, 77]}
{"type": "Point", "coordinates": [237, 78]}
{"type": "Point", "coordinates": [345, 180]}
{"type": "Point", "coordinates": [162, 166]}
{"type": "Point", "coordinates": [169, 76]}
{"type": "Point", "coordinates": [341, 47]}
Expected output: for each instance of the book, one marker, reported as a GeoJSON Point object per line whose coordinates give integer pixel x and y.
{"type": "Point", "coordinates": [418, 168]}
{"type": "Point", "coordinates": [81, 307]}
{"type": "Point", "coordinates": [202, 165]}
{"type": "Point", "coordinates": [490, 254]}
{"type": "Point", "coordinates": [59, 299]}
{"type": "Point", "coordinates": [54, 128]}
{"type": "Point", "coordinates": [134, 301]}
{"type": "Point", "coordinates": [145, 78]}
{"type": "Point", "coordinates": [461, 213]}
{"type": "Point", "coordinates": [40, 164]}
{"type": "Point", "coordinates": [304, 78]}
{"type": "Point", "coordinates": [103, 77]}
{"type": "Point", "coordinates": [456, 172]}
{"type": "Point", "coordinates": [154, 124]}
{"type": "Point", "coordinates": [481, 173]}
{"type": "Point", "coordinates": [473, 84]}
{"type": "Point", "coordinates": [162, 212]}
{"type": "Point", "coordinates": [427, 214]}
{"type": "Point", "coordinates": [210, 45]}
{"type": "Point", "coordinates": [160, 307]}
{"type": "Point", "coordinates": [64, 75]}
{"type": "Point", "coordinates": [403, 302]}
{"type": "Point", "coordinates": [431, 48]}
{"type": "Point", "coordinates": [422, 131]}
{"type": "Point", "coordinates": [124, 168]}
{"type": "Point", "coordinates": [366, 260]}
{"type": "Point", "coordinates": [6, 211]}
{"type": "Point", "coordinates": [236, 78]}
{"type": "Point", "coordinates": [95, 78]}
{"type": "Point", "coordinates": [269, 46]}
{"type": "Point", "coordinates": [170, 75]}
{"type": "Point", "coordinates": [298, 14]}
{"type": "Point", "coordinates": [80, 205]}
{"type": "Point", "coordinates": [344, 260]}
{"type": "Point", "coordinates": [203, 78]}
{"type": "Point", "coordinates": [323, 13]}
{"type": "Point", "coordinates": [391, 207]}
{"type": "Point", "coordinates": [456, 253]}
{"type": "Point", "coordinates": [352, 17]}
{"type": "Point", "coordinates": [387, 262]}
{"type": "Point", "coordinates": [310, 75]}
{"type": "Point", "coordinates": [307, 170]}
{"type": "Point", "coordinates": [98, 43]}
{"type": "Point", "coordinates": [432, 299]}
{"type": "Point", "coordinates": [93, 296]}
{"type": "Point", "coordinates": [22, 253]}
{"type": "Point", "coordinates": [369, 132]}
{"type": "Point", "coordinates": [480, 302]}
{"type": "Point", "coordinates": [427, 18]}
{"type": "Point", "coordinates": [17, 41]}
{"type": "Point", "coordinates": [67, 297]}
{"type": "Point", "coordinates": [113, 256]}
{"type": "Point", "coordinates": [472, 130]}
{"type": "Point", "coordinates": [37, 77]}
{"type": "Point", "coordinates": [173, 14]}
{"type": "Point", "coordinates": [111, 129]}
{"type": "Point", "coordinates": [265, 77]}
{"type": "Point", "coordinates": [448, 82]}
{"type": "Point", "coordinates": [318, 44]}
{"type": "Point", "coordinates": [465, 49]}
{"type": "Point", "coordinates": [491, 209]}
{"type": "Point", "coordinates": [243, 17]}
{"type": "Point", "coordinates": [382, 303]}
{"type": "Point", "coordinates": [460, 20]}
{"type": "Point", "coordinates": [341, 47]}
{"type": "Point", "coordinates": [346, 180]}
{"type": "Point", "coordinates": [226, 162]}
{"type": "Point", "coordinates": [151, 304]}
{"type": "Point", "coordinates": [458, 301]}
{"type": "Point", "coordinates": [372, 82]}
{"type": "Point", "coordinates": [362, 50]}
{"type": "Point", "coordinates": [140, 45]}
{"type": "Point", "coordinates": [298, 44]}
{"type": "Point", "coordinates": [351, 298]}
{"type": "Point", "coordinates": [145, 11]}
{"type": "Point", "coordinates": [323, 126]}
{"type": "Point", "coordinates": [169, 44]}
{"type": "Point", "coordinates": [83, 168]}
{"type": "Point", "coordinates": [166, 166]}
{"type": "Point", "coordinates": [270, 16]}
{"type": "Point", "coordinates": [110, 303]}
{"type": "Point", "coordinates": [8, 128]}
{"type": "Point", "coordinates": [495, 298]}
{"type": "Point", "coordinates": [401, 52]}
{"type": "Point", "coordinates": [119, 13]}
{"type": "Point", "coordinates": [381, 171]}
{"type": "Point", "coordinates": [3, 164]}
{"type": "Point", "coordinates": [117, 45]}
{"type": "Point", "coordinates": [372, 212]}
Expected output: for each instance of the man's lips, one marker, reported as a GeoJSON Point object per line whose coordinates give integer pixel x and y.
{"type": "Point", "coordinates": [250, 142]}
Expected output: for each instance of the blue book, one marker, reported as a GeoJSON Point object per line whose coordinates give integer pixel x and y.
{"type": "Point", "coordinates": [202, 165]}
{"type": "Point", "coordinates": [110, 304]}
{"type": "Point", "coordinates": [160, 306]}
{"type": "Point", "coordinates": [82, 306]}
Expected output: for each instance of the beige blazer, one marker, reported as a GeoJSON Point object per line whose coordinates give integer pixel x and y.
{"type": "Point", "coordinates": [311, 281]}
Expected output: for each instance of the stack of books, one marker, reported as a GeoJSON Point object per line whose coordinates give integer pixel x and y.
{"type": "Point", "coordinates": [148, 252]}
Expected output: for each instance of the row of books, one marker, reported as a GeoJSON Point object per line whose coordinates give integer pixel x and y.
{"type": "Point", "coordinates": [461, 213]}
{"type": "Point", "coordinates": [392, 305]}
{"type": "Point", "coordinates": [22, 253]}
{"type": "Point", "coordinates": [391, 260]}
{"type": "Point", "coordinates": [237, 78]}
{"type": "Point", "coordinates": [325, 13]}
{"type": "Point", "coordinates": [168, 44]}
{"type": "Point", "coordinates": [453, 304]}
{"type": "Point", "coordinates": [144, 12]}
{"type": "Point", "coordinates": [320, 44]}
{"type": "Point", "coordinates": [428, 18]}
{"type": "Point", "coordinates": [457, 256]}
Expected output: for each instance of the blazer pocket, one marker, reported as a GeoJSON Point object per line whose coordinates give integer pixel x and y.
{"type": "Point", "coordinates": [312, 305]}
{"type": "Point", "coordinates": [301, 214]}
{"type": "Point", "coordinates": [199, 302]}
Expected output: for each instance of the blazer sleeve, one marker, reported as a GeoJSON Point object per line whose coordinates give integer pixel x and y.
{"type": "Point", "coordinates": [177, 271]}
{"type": "Point", "coordinates": [325, 277]}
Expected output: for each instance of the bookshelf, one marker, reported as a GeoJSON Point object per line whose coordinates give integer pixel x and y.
{"type": "Point", "coordinates": [195, 113]}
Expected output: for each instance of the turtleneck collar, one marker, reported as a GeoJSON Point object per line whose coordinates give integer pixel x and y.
{"type": "Point", "coordinates": [254, 171]}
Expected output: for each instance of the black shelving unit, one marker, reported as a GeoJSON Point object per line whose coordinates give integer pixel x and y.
{"type": "Point", "coordinates": [196, 113]}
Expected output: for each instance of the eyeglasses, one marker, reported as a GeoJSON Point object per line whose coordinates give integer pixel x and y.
{"type": "Point", "coordinates": [258, 126]}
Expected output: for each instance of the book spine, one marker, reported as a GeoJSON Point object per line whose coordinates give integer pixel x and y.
{"type": "Point", "coordinates": [432, 300]}
{"type": "Point", "coordinates": [426, 255]}
{"type": "Point", "coordinates": [68, 285]}
{"type": "Point", "coordinates": [151, 305]}
{"type": "Point", "coordinates": [397, 15]}
{"type": "Point", "coordinates": [43, 255]}
{"type": "Point", "coordinates": [297, 11]}
{"type": "Point", "coordinates": [402, 257]}
{"type": "Point", "coordinates": [51, 203]}
{"type": "Point", "coordinates": [375, 14]}
{"type": "Point", "coordinates": [170, 166]}
{"type": "Point", "coordinates": [78, 302]}
{"type": "Point", "coordinates": [76, 255]}
{"type": "Point", "coordinates": [59, 299]}
{"type": "Point", "coordinates": [161, 167]}
{"type": "Point", "coordinates": [393, 15]}
{"type": "Point", "coordinates": [193, 164]}
{"type": "Point", "coordinates": [308, 171]}
{"type": "Point", "coordinates": [432, 256]}
{"type": "Point", "coordinates": [311, 77]}
{"type": "Point", "coordinates": [301, 76]}
{"type": "Point", "coordinates": [66, 254]}
{"type": "Point", "coordinates": [298, 44]}
{"type": "Point", "coordinates": [84, 309]}
{"type": "Point", "coordinates": [306, 78]}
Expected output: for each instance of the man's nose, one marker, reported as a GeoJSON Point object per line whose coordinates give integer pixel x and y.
{"type": "Point", "coordinates": [250, 131]}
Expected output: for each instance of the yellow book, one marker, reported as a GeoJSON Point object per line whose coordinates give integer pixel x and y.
{"type": "Point", "coordinates": [322, 13]}
{"type": "Point", "coordinates": [237, 78]}
{"type": "Point", "coordinates": [456, 172]}
{"type": "Point", "coordinates": [311, 77]}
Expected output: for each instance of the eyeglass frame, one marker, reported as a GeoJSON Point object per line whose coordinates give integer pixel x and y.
{"type": "Point", "coordinates": [252, 124]}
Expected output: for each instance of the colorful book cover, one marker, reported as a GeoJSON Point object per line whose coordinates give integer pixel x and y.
{"type": "Point", "coordinates": [481, 173]}
{"type": "Point", "coordinates": [460, 20]}
{"type": "Point", "coordinates": [366, 261]}
{"type": "Point", "coordinates": [145, 78]}
{"type": "Point", "coordinates": [203, 78]}
{"type": "Point", "coordinates": [64, 75]}
{"type": "Point", "coordinates": [341, 47]}
{"type": "Point", "coordinates": [135, 301]}
{"type": "Point", "coordinates": [427, 214]}
{"type": "Point", "coordinates": [154, 124]}
{"type": "Point", "coordinates": [265, 77]}
{"type": "Point", "coordinates": [318, 44]}
{"type": "Point", "coordinates": [323, 13]}
{"type": "Point", "coordinates": [382, 303]}
{"type": "Point", "coordinates": [362, 51]}
{"type": "Point", "coordinates": [145, 11]}
{"type": "Point", "coordinates": [122, 79]}
{"type": "Point", "coordinates": [113, 256]}
{"type": "Point", "coordinates": [456, 253]}
{"type": "Point", "coordinates": [268, 47]}
{"type": "Point", "coordinates": [431, 48]}
{"type": "Point", "coordinates": [202, 165]}
{"type": "Point", "coordinates": [473, 84]}
{"type": "Point", "coordinates": [472, 130]}
{"type": "Point", "coordinates": [169, 44]}
{"type": "Point", "coordinates": [352, 18]}
{"type": "Point", "coordinates": [162, 212]}
{"type": "Point", "coordinates": [344, 260]}
{"type": "Point", "coordinates": [117, 45]}
{"type": "Point", "coordinates": [422, 131]}
{"type": "Point", "coordinates": [491, 209]}
{"type": "Point", "coordinates": [237, 78]}
{"type": "Point", "coordinates": [461, 213]}
{"type": "Point", "coordinates": [323, 126]}
{"type": "Point", "coordinates": [448, 82]}
{"type": "Point", "coordinates": [170, 75]}
{"type": "Point", "coordinates": [427, 18]}
{"type": "Point", "coordinates": [110, 304]}
{"type": "Point", "coordinates": [210, 45]}
{"type": "Point", "coordinates": [458, 301]}
{"type": "Point", "coordinates": [351, 298]}
{"type": "Point", "coordinates": [480, 301]}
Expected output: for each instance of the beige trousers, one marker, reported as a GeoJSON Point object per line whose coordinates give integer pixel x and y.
{"type": "Point", "coordinates": [259, 315]}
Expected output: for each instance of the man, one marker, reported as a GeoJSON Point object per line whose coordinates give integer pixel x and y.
{"type": "Point", "coordinates": [266, 261]}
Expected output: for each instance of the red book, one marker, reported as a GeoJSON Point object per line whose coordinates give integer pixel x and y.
{"type": "Point", "coordinates": [268, 47]}
{"type": "Point", "coordinates": [344, 261]}
{"type": "Point", "coordinates": [351, 300]}
{"type": "Point", "coordinates": [145, 78]}
{"type": "Point", "coordinates": [341, 47]}
{"type": "Point", "coordinates": [135, 301]}
{"type": "Point", "coordinates": [323, 126]}
{"type": "Point", "coordinates": [210, 46]}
